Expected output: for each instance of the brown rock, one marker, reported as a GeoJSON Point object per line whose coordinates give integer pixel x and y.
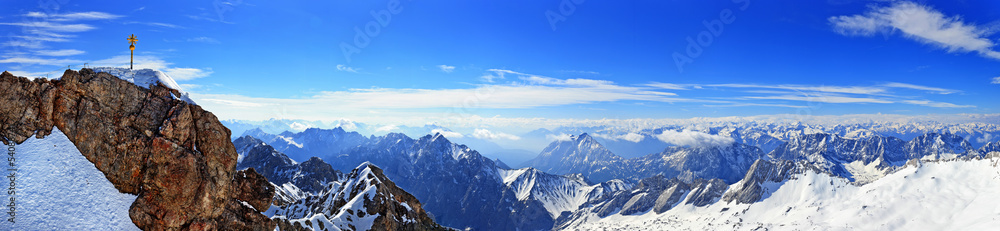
{"type": "Point", "coordinates": [175, 156]}
{"type": "Point", "coordinates": [253, 189]}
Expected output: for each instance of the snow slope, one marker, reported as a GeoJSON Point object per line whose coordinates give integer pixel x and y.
{"type": "Point", "coordinates": [556, 193]}
{"type": "Point", "coordinates": [59, 189]}
{"type": "Point", "coordinates": [949, 195]}
{"type": "Point", "coordinates": [144, 78]}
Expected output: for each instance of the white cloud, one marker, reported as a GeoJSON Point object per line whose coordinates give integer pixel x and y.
{"type": "Point", "coordinates": [669, 86]}
{"type": "Point", "coordinates": [32, 75]}
{"type": "Point", "coordinates": [182, 73]}
{"type": "Point", "coordinates": [920, 23]}
{"type": "Point", "coordinates": [755, 105]}
{"type": "Point", "coordinates": [93, 15]}
{"type": "Point", "coordinates": [693, 138]}
{"type": "Point", "coordinates": [488, 135]}
{"type": "Point", "coordinates": [829, 89]}
{"type": "Point", "coordinates": [631, 137]}
{"type": "Point", "coordinates": [44, 28]}
{"type": "Point", "coordinates": [936, 104]}
{"type": "Point", "coordinates": [203, 39]}
{"type": "Point", "coordinates": [234, 103]}
{"type": "Point", "coordinates": [386, 128]}
{"type": "Point", "coordinates": [446, 133]}
{"type": "Point", "coordinates": [66, 52]}
{"type": "Point", "coordinates": [341, 67]}
{"type": "Point", "coordinates": [41, 61]}
{"type": "Point", "coordinates": [446, 68]}
{"type": "Point", "coordinates": [924, 88]}
{"type": "Point", "coordinates": [560, 137]}
{"type": "Point", "coordinates": [996, 80]}
{"type": "Point", "coordinates": [822, 98]}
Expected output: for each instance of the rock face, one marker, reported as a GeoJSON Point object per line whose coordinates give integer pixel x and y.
{"type": "Point", "coordinates": [175, 156]}
{"type": "Point", "coordinates": [752, 188]}
{"type": "Point", "coordinates": [366, 199]}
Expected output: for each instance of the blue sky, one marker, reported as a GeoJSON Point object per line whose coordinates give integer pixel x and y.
{"type": "Point", "coordinates": [440, 61]}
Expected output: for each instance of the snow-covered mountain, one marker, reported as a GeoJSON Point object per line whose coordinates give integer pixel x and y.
{"type": "Point", "coordinates": [365, 200]}
{"type": "Point", "coordinates": [455, 182]}
{"type": "Point", "coordinates": [312, 142]}
{"type": "Point", "coordinates": [579, 154]}
{"type": "Point", "coordinates": [437, 171]}
{"type": "Point", "coordinates": [310, 176]}
{"type": "Point", "coordinates": [866, 159]}
{"type": "Point", "coordinates": [861, 172]}
{"type": "Point", "coordinates": [651, 195]}
{"type": "Point", "coordinates": [558, 194]}
{"type": "Point", "coordinates": [928, 195]}
{"type": "Point", "coordinates": [584, 155]}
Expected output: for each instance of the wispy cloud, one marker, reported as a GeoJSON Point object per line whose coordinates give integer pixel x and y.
{"type": "Point", "coordinates": [201, 39]}
{"type": "Point", "coordinates": [41, 61]}
{"type": "Point", "coordinates": [996, 80]}
{"type": "Point", "coordinates": [156, 24]}
{"type": "Point", "coordinates": [810, 88]}
{"type": "Point", "coordinates": [921, 23]}
{"type": "Point", "coordinates": [480, 133]}
{"type": "Point", "coordinates": [39, 28]}
{"type": "Point", "coordinates": [53, 27]}
{"type": "Point", "coordinates": [446, 68]}
{"type": "Point", "coordinates": [66, 52]}
{"type": "Point", "coordinates": [755, 105]}
{"type": "Point", "coordinates": [936, 104]}
{"type": "Point", "coordinates": [693, 138]}
{"type": "Point", "coordinates": [341, 67]}
{"type": "Point", "coordinates": [669, 86]}
{"type": "Point", "coordinates": [93, 15]}
{"type": "Point", "coordinates": [447, 133]}
{"type": "Point", "coordinates": [823, 98]}
{"type": "Point", "coordinates": [923, 88]}
{"type": "Point", "coordinates": [183, 73]}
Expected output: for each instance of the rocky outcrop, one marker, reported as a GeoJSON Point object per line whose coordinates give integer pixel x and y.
{"type": "Point", "coordinates": [752, 188]}
{"type": "Point", "coordinates": [175, 156]}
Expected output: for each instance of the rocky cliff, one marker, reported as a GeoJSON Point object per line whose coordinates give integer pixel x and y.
{"type": "Point", "coordinates": [175, 156]}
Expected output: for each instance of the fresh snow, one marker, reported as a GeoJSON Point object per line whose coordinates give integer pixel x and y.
{"type": "Point", "coordinates": [947, 195]}
{"type": "Point", "coordinates": [300, 212]}
{"type": "Point", "coordinates": [144, 78]}
{"type": "Point", "coordinates": [556, 193]}
{"type": "Point", "coordinates": [59, 189]}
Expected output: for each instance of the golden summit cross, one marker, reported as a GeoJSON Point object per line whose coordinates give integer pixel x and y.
{"type": "Point", "coordinates": [131, 48]}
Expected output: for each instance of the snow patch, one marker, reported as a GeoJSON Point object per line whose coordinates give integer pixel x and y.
{"type": "Point", "coordinates": [59, 189]}
{"type": "Point", "coordinates": [144, 78]}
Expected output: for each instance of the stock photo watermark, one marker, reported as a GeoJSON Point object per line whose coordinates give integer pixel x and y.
{"type": "Point", "coordinates": [565, 9]}
{"type": "Point", "coordinates": [713, 29]}
{"type": "Point", "coordinates": [363, 37]}
{"type": "Point", "coordinates": [222, 7]}
{"type": "Point", "coordinates": [12, 176]}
